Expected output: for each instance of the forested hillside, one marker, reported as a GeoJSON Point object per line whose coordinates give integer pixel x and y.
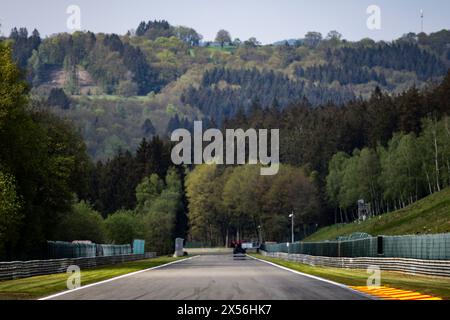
{"type": "Point", "coordinates": [85, 119]}
{"type": "Point", "coordinates": [429, 215]}
{"type": "Point", "coordinates": [159, 75]}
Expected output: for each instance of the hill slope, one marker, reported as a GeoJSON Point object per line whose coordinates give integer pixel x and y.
{"type": "Point", "coordinates": [429, 215]}
{"type": "Point", "coordinates": [178, 79]}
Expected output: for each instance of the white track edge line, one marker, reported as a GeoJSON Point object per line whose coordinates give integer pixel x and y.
{"type": "Point", "coordinates": [316, 278]}
{"type": "Point", "coordinates": [112, 279]}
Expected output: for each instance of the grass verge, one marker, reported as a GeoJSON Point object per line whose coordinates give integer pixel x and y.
{"type": "Point", "coordinates": [41, 286]}
{"type": "Point", "coordinates": [430, 215]}
{"type": "Point", "coordinates": [434, 286]}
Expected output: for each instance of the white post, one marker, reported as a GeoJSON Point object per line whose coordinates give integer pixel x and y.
{"type": "Point", "coordinates": [179, 252]}
{"type": "Point", "coordinates": [292, 225]}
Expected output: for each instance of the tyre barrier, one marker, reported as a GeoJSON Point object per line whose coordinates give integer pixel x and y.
{"type": "Point", "coordinates": [410, 266]}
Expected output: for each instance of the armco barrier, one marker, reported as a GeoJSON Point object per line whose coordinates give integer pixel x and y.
{"type": "Point", "coordinates": [412, 266]}
{"type": "Point", "coordinates": [24, 269]}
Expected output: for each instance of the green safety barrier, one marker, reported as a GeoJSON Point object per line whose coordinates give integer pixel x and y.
{"type": "Point", "coordinates": [427, 247]}
{"type": "Point", "coordinates": [61, 250]}
{"type": "Point", "coordinates": [108, 250]}
{"type": "Point", "coordinates": [138, 246]}
{"type": "Point", "coordinates": [195, 244]}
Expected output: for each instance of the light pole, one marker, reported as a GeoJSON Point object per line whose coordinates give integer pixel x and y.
{"type": "Point", "coordinates": [421, 19]}
{"type": "Point", "coordinates": [259, 235]}
{"type": "Point", "coordinates": [292, 215]}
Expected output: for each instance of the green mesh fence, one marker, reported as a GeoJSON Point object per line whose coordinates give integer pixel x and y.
{"type": "Point", "coordinates": [351, 248]}
{"type": "Point", "coordinates": [60, 250]}
{"type": "Point", "coordinates": [427, 247]}
{"type": "Point", "coordinates": [107, 250]}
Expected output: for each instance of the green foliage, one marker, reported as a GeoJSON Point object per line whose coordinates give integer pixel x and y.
{"type": "Point", "coordinates": [24, 45]}
{"type": "Point", "coordinates": [427, 216]}
{"type": "Point", "coordinates": [10, 212]}
{"type": "Point", "coordinates": [58, 98]}
{"type": "Point", "coordinates": [163, 56]}
{"type": "Point", "coordinates": [127, 88]}
{"type": "Point", "coordinates": [44, 154]}
{"type": "Point", "coordinates": [159, 204]}
{"type": "Point", "coordinates": [114, 182]}
{"type": "Point", "coordinates": [115, 66]}
{"type": "Point", "coordinates": [12, 87]}
{"type": "Point", "coordinates": [408, 169]}
{"type": "Point", "coordinates": [123, 227]}
{"type": "Point", "coordinates": [82, 223]}
{"type": "Point", "coordinates": [401, 175]}
{"type": "Point", "coordinates": [159, 223]}
{"type": "Point", "coordinates": [334, 180]}
{"type": "Point", "coordinates": [223, 92]}
{"type": "Point", "coordinates": [241, 85]}
{"type": "Point", "coordinates": [223, 37]}
{"type": "Point", "coordinates": [148, 190]}
{"type": "Point", "coordinates": [203, 192]}
{"type": "Point", "coordinates": [236, 201]}
{"type": "Point", "coordinates": [154, 29]}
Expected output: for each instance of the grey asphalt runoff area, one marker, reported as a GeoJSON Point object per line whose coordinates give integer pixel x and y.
{"type": "Point", "coordinates": [215, 277]}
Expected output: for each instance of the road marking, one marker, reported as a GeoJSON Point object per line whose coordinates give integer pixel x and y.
{"type": "Point", "coordinates": [115, 278]}
{"type": "Point", "coordinates": [394, 294]}
{"type": "Point", "coordinates": [317, 278]}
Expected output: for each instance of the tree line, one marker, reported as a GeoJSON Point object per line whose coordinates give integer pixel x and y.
{"type": "Point", "coordinates": [47, 178]}
{"type": "Point", "coordinates": [153, 30]}
{"type": "Point", "coordinates": [225, 92]}
{"type": "Point", "coordinates": [329, 73]}
{"type": "Point", "coordinates": [50, 189]}
{"type": "Point", "coordinates": [310, 137]}
{"type": "Point", "coordinates": [237, 203]}
{"type": "Point", "coordinates": [43, 163]}
{"type": "Point", "coordinates": [114, 64]}
{"type": "Point", "coordinates": [391, 177]}
{"type": "Point", "coordinates": [158, 217]}
{"type": "Point", "coordinates": [400, 55]}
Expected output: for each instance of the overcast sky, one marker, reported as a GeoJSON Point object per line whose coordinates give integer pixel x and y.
{"type": "Point", "coordinates": [267, 20]}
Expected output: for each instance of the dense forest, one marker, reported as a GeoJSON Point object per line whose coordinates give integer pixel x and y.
{"type": "Point", "coordinates": [85, 121]}
{"type": "Point", "coordinates": [114, 87]}
{"type": "Point", "coordinates": [388, 150]}
{"type": "Point", "coordinates": [224, 91]}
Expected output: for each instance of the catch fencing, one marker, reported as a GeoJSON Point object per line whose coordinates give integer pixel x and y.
{"type": "Point", "coordinates": [425, 247]}
{"type": "Point", "coordinates": [60, 250]}
{"type": "Point", "coordinates": [108, 250]}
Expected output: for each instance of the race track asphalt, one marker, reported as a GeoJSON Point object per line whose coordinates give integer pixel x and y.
{"type": "Point", "coordinates": [215, 277]}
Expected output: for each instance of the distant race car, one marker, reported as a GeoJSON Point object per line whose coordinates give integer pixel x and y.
{"type": "Point", "coordinates": [239, 253]}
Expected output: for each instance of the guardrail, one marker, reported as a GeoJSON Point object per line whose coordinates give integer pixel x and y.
{"type": "Point", "coordinates": [25, 269]}
{"type": "Point", "coordinates": [412, 266]}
